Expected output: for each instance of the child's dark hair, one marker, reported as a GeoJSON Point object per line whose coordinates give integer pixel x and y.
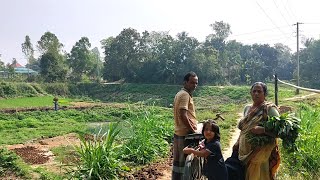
{"type": "Point", "coordinates": [215, 128]}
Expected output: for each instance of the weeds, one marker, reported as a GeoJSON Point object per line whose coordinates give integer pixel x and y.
{"type": "Point", "coordinates": [98, 156]}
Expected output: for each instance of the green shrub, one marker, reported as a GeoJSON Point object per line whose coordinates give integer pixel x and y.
{"type": "Point", "coordinates": [9, 161]}
{"type": "Point", "coordinates": [306, 159]}
{"type": "Point", "coordinates": [151, 133]}
{"type": "Point", "coordinates": [98, 155]}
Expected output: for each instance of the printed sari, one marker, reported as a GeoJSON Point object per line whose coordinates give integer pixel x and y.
{"type": "Point", "coordinates": [261, 163]}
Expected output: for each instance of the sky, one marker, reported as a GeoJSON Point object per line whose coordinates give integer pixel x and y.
{"type": "Point", "coordinates": [251, 21]}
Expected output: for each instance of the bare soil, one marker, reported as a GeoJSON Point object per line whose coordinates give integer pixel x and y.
{"type": "Point", "coordinates": [38, 152]}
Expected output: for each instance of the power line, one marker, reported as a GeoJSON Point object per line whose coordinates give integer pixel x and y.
{"type": "Point", "coordinates": [285, 7]}
{"type": "Point", "coordinates": [281, 13]}
{"type": "Point", "coordinates": [254, 32]}
{"type": "Point", "coordinates": [269, 18]}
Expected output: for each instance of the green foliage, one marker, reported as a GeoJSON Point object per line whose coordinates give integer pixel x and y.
{"type": "Point", "coordinates": [52, 68]}
{"type": "Point", "coordinates": [305, 159]}
{"type": "Point", "coordinates": [10, 161]}
{"type": "Point", "coordinates": [49, 43]}
{"type": "Point", "coordinates": [310, 65]}
{"type": "Point", "coordinates": [286, 127]}
{"type": "Point", "coordinates": [10, 90]}
{"type": "Point", "coordinates": [80, 59]}
{"type": "Point", "coordinates": [57, 89]}
{"type": "Point", "coordinates": [98, 156]}
{"type": "Point", "coordinates": [151, 133]}
{"type": "Point", "coordinates": [20, 127]}
{"type": "Point", "coordinates": [47, 175]}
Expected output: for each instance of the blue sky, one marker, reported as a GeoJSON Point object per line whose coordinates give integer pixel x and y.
{"type": "Point", "coordinates": [252, 21]}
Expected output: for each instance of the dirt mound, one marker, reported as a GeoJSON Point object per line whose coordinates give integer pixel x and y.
{"type": "Point", "coordinates": [159, 170]}
{"type": "Point", "coordinates": [32, 155]}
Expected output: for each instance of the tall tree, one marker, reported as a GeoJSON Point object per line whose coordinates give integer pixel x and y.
{"type": "Point", "coordinates": [221, 32]}
{"type": "Point", "coordinates": [49, 43]}
{"type": "Point", "coordinates": [79, 59]}
{"type": "Point", "coordinates": [51, 49]}
{"type": "Point", "coordinates": [2, 66]}
{"type": "Point", "coordinates": [122, 56]}
{"type": "Point", "coordinates": [184, 52]}
{"type": "Point", "coordinates": [28, 51]}
{"type": "Point", "coordinates": [217, 40]}
{"type": "Point", "coordinates": [310, 65]}
{"type": "Point", "coordinates": [286, 63]}
{"type": "Point", "coordinates": [97, 64]}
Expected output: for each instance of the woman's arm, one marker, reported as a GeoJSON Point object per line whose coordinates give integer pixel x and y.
{"type": "Point", "coordinates": [261, 130]}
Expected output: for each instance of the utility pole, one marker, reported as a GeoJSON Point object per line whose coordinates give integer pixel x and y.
{"type": "Point", "coordinates": [298, 63]}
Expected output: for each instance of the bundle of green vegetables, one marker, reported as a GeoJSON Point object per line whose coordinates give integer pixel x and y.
{"type": "Point", "coordinates": [286, 127]}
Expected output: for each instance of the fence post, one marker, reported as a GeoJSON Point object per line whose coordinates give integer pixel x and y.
{"type": "Point", "coordinates": [276, 89]}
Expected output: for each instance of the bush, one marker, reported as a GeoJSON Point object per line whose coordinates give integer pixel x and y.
{"type": "Point", "coordinates": [98, 155]}
{"type": "Point", "coordinates": [9, 161]}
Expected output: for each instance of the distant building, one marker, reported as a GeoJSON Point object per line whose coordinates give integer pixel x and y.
{"type": "Point", "coordinates": [16, 65]}
{"type": "Point", "coordinates": [24, 70]}
{"type": "Point", "coordinates": [18, 68]}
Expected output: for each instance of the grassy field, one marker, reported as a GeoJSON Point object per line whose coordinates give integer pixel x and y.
{"type": "Point", "coordinates": [143, 110]}
{"type": "Point", "coordinates": [41, 101]}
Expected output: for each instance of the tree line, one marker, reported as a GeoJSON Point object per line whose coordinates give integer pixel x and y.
{"type": "Point", "coordinates": [157, 57]}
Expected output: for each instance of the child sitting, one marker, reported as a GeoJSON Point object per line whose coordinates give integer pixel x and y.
{"type": "Point", "coordinates": [214, 167]}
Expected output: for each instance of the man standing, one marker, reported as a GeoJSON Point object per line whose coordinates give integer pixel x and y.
{"type": "Point", "coordinates": [184, 122]}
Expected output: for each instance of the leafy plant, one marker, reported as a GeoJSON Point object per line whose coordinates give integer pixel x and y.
{"type": "Point", "coordinates": [98, 155]}
{"type": "Point", "coordinates": [148, 140]}
{"type": "Point", "coordinates": [286, 127]}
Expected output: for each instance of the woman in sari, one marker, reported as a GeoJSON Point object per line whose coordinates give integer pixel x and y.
{"type": "Point", "coordinates": [261, 163]}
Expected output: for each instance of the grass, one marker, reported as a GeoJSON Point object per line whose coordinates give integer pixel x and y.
{"type": "Point", "coordinates": [23, 102]}
{"type": "Point", "coordinates": [136, 118]}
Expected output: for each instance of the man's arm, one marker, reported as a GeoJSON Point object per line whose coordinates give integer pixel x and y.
{"type": "Point", "coordinates": [187, 121]}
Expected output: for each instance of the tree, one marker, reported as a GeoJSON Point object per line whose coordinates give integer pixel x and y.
{"type": "Point", "coordinates": [184, 50]}
{"type": "Point", "coordinates": [97, 64]}
{"type": "Point", "coordinates": [51, 69]}
{"type": "Point", "coordinates": [2, 66]}
{"type": "Point", "coordinates": [51, 49]}
{"type": "Point", "coordinates": [286, 63]}
{"type": "Point", "coordinates": [217, 40]}
{"type": "Point", "coordinates": [310, 65]}
{"type": "Point", "coordinates": [80, 59]}
{"type": "Point", "coordinates": [49, 43]}
{"type": "Point", "coordinates": [28, 51]}
{"type": "Point", "coordinates": [122, 56]}
{"type": "Point", "coordinates": [158, 60]}
{"type": "Point", "coordinates": [221, 32]}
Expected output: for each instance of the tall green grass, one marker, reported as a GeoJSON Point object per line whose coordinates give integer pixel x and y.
{"type": "Point", "coordinates": [151, 134]}
{"type": "Point", "coordinates": [98, 155]}
{"type": "Point", "coordinates": [305, 162]}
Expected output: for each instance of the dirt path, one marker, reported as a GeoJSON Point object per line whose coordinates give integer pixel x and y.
{"type": "Point", "coordinates": [234, 137]}
{"type": "Point", "coordinates": [297, 98]}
